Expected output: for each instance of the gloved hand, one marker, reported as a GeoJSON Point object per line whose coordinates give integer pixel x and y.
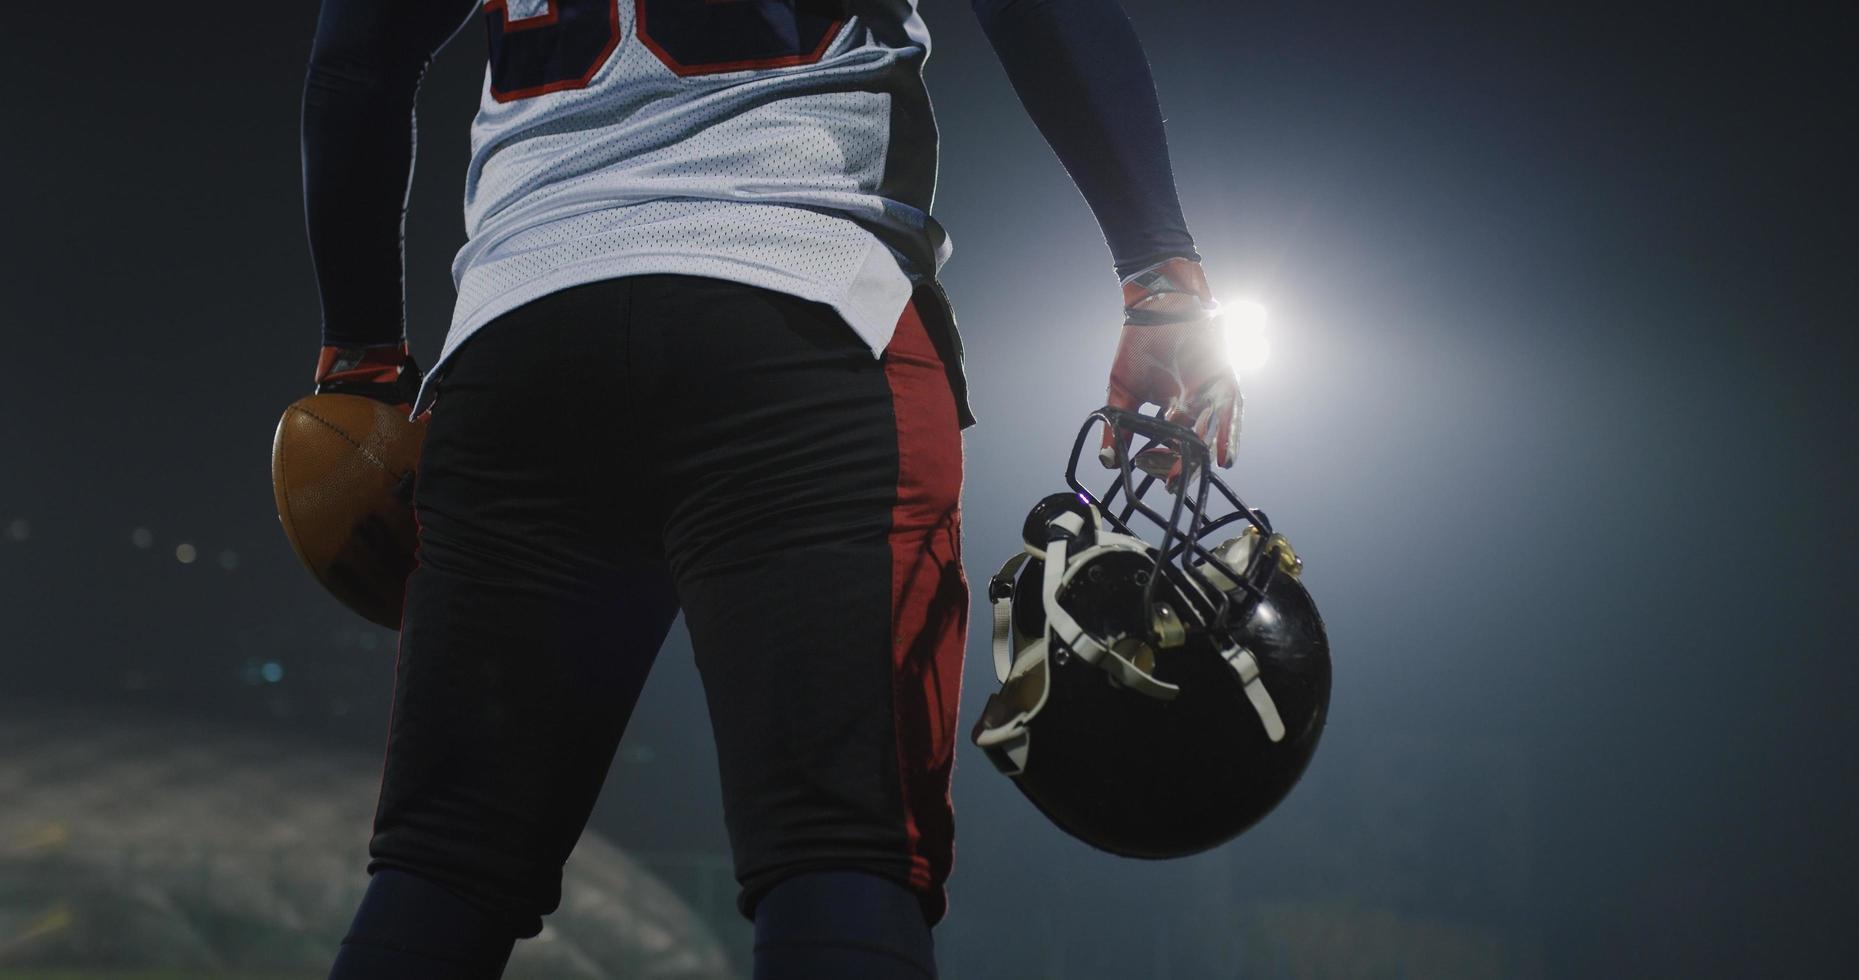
{"type": "Point", "coordinates": [1174, 354]}
{"type": "Point", "coordinates": [385, 373]}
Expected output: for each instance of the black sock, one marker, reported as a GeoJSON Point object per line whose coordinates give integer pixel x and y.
{"type": "Point", "coordinates": [411, 929]}
{"type": "Point", "coordinates": [842, 925]}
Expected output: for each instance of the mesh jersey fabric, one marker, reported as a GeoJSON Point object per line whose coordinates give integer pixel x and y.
{"type": "Point", "coordinates": [813, 179]}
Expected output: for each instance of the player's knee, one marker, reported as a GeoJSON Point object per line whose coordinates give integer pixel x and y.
{"type": "Point", "coordinates": [512, 892]}
{"type": "Point", "coordinates": [411, 928]}
{"type": "Point", "coordinates": [842, 925]}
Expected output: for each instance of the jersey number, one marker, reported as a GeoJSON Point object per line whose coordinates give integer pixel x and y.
{"type": "Point", "coordinates": [567, 42]}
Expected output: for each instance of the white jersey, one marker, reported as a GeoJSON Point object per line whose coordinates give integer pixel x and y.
{"type": "Point", "coordinates": [748, 142]}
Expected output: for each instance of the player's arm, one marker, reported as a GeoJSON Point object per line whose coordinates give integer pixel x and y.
{"type": "Point", "coordinates": [358, 134]}
{"type": "Point", "coordinates": [1080, 71]}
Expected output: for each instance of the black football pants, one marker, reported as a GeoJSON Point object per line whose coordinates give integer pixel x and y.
{"type": "Point", "coordinates": [600, 459]}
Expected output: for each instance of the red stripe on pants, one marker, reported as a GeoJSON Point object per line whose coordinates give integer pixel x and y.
{"type": "Point", "coordinates": [929, 598]}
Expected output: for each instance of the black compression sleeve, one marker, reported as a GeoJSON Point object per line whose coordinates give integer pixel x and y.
{"type": "Point", "coordinates": [1080, 71]}
{"type": "Point", "coordinates": [365, 70]}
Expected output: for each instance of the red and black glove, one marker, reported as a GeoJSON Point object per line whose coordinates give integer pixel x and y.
{"type": "Point", "coordinates": [385, 373]}
{"type": "Point", "coordinates": [1174, 354]}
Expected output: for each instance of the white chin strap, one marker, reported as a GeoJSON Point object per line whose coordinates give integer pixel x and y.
{"type": "Point", "coordinates": [1247, 667]}
{"type": "Point", "coordinates": [1007, 641]}
{"type": "Point", "coordinates": [1066, 630]}
{"type": "Point", "coordinates": [1013, 740]}
{"type": "Point", "coordinates": [1016, 655]}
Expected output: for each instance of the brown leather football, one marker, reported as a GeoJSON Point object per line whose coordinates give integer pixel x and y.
{"type": "Point", "coordinates": [342, 471]}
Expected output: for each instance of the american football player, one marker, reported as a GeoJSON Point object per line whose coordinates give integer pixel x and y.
{"type": "Point", "coordinates": [700, 362]}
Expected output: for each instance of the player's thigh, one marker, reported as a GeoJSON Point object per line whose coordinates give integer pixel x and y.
{"type": "Point", "coordinates": [813, 528]}
{"type": "Point", "coordinates": [532, 618]}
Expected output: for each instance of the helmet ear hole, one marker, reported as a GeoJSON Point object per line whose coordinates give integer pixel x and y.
{"type": "Point", "coordinates": [1037, 531]}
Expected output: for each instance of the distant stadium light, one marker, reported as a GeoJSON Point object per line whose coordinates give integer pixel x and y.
{"type": "Point", "coordinates": [142, 537]}
{"type": "Point", "coordinates": [19, 529]}
{"type": "Point", "coordinates": [185, 553]}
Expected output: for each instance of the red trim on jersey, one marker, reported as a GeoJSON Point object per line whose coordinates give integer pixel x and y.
{"type": "Point", "coordinates": [719, 67]}
{"type": "Point", "coordinates": [513, 24]}
{"type": "Point", "coordinates": [530, 23]}
{"type": "Point", "coordinates": [929, 597]}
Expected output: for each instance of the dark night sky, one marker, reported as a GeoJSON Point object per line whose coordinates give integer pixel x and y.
{"type": "Point", "coordinates": [1561, 413]}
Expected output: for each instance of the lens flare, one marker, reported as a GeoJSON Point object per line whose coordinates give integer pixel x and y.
{"type": "Point", "coordinates": [1246, 343]}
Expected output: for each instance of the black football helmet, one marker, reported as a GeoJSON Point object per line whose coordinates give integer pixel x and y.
{"type": "Point", "coordinates": [1156, 698]}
